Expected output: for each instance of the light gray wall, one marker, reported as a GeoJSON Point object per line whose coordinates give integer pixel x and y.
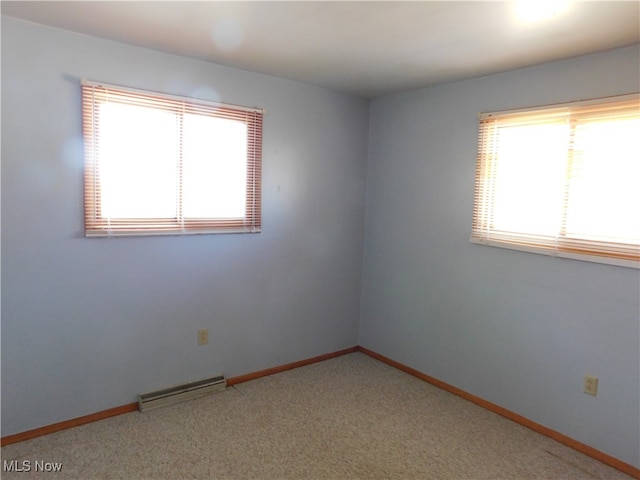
{"type": "Point", "coordinates": [89, 323]}
{"type": "Point", "coordinates": [518, 329]}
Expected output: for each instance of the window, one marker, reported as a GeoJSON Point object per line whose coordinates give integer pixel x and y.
{"type": "Point", "coordinates": [157, 164]}
{"type": "Point", "coordinates": [562, 180]}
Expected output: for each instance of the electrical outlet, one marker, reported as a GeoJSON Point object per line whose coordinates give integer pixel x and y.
{"type": "Point", "coordinates": [203, 337]}
{"type": "Point", "coordinates": [590, 385]}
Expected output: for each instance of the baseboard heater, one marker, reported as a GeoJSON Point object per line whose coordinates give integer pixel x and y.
{"type": "Point", "coordinates": [179, 393]}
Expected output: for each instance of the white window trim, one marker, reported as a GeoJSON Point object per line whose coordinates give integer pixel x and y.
{"type": "Point", "coordinates": [559, 254]}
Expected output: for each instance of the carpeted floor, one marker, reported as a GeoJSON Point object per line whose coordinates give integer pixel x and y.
{"type": "Point", "coordinates": [351, 417]}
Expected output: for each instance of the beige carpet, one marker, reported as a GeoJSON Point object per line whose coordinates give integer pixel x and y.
{"type": "Point", "coordinates": [351, 417]}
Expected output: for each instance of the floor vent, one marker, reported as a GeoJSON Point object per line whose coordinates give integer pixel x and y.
{"type": "Point", "coordinates": [179, 393]}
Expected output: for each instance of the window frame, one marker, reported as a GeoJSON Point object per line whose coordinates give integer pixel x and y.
{"type": "Point", "coordinates": [95, 225]}
{"type": "Point", "coordinates": [578, 248]}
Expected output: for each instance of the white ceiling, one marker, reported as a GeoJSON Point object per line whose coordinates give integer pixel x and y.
{"type": "Point", "coordinates": [366, 48]}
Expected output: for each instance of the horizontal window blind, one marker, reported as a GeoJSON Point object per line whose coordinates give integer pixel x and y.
{"type": "Point", "coordinates": [561, 180]}
{"type": "Point", "coordinates": [157, 164]}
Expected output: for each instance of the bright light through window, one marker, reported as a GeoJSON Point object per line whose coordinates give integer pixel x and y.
{"type": "Point", "coordinates": [165, 165]}
{"type": "Point", "coordinates": [138, 152]}
{"type": "Point", "coordinates": [214, 171]}
{"type": "Point", "coordinates": [523, 174]}
{"type": "Point", "coordinates": [562, 180]}
{"type": "Point", "coordinates": [605, 181]}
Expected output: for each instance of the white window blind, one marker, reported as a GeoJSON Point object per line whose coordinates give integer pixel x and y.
{"type": "Point", "coordinates": [161, 164]}
{"type": "Point", "coordinates": [562, 180]}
